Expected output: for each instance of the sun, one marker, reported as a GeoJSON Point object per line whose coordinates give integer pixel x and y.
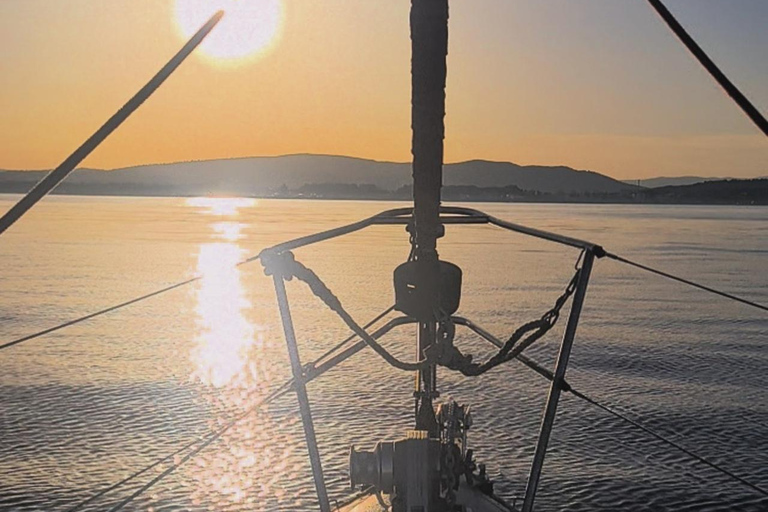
{"type": "Point", "coordinates": [249, 27]}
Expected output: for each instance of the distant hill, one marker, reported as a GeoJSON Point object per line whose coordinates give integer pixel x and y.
{"type": "Point", "coordinates": [259, 176]}
{"type": "Point", "coordinates": [338, 177]}
{"type": "Point", "coordinates": [532, 178]}
{"type": "Point", "coordinates": [664, 181]}
{"type": "Point", "coordinates": [729, 191]}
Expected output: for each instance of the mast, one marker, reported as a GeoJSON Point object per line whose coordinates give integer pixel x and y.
{"type": "Point", "coordinates": [429, 49]}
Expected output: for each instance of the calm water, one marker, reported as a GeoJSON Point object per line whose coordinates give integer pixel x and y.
{"type": "Point", "coordinates": [88, 405]}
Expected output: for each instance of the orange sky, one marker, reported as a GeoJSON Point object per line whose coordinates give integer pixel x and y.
{"type": "Point", "coordinates": [594, 84]}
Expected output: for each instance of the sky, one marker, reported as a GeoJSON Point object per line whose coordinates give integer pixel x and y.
{"type": "Point", "coordinates": [592, 84]}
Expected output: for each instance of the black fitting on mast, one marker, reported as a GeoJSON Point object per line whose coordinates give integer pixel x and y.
{"type": "Point", "coordinates": [429, 47]}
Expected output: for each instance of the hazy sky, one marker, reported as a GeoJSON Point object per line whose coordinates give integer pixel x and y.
{"type": "Point", "coordinates": [594, 84]}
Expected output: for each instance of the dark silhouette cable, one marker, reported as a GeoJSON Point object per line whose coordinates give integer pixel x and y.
{"type": "Point", "coordinates": [711, 67]}
{"type": "Point", "coordinates": [667, 441]}
{"type": "Point", "coordinates": [62, 171]}
{"type": "Point", "coordinates": [132, 476]}
{"type": "Point", "coordinates": [98, 313]}
{"type": "Point", "coordinates": [113, 308]}
{"type": "Point", "coordinates": [206, 440]}
{"type": "Point", "coordinates": [353, 335]}
{"type": "Point", "coordinates": [686, 281]}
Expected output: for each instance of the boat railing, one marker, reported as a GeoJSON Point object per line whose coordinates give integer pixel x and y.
{"type": "Point", "coordinates": [273, 257]}
{"type": "Point", "coordinates": [448, 215]}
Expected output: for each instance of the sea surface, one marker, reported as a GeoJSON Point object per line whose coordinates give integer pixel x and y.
{"type": "Point", "coordinates": [86, 406]}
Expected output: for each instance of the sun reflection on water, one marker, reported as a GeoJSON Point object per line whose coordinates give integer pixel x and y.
{"type": "Point", "coordinates": [225, 336]}
{"type": "Point", "coordinates": [249, 464]}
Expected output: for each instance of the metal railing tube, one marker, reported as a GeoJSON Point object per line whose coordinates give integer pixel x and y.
{"type": "Point", "coordinates": [518, 228]}
{"type": "Point", "coordinates": [461, 214]}
{"type": "Point", "coordinates": [301, 393]}
{"type": "Point", "coordinates": [538, 233]}
{"type": "Point", "coordinates": [316, 371]}
{"type": "Point", "coordinates": [334, 233]}
{"type": "Point", "coordinates": [464, 219]}
{"type": "Point", "coordinates": [561, 366]}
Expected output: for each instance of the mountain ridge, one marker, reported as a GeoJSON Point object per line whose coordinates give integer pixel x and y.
{"type": "Point", "coordinates": [264, 175]}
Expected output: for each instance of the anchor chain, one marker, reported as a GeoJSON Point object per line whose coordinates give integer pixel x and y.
{"type": "Point", "coordinates": [451, 357]}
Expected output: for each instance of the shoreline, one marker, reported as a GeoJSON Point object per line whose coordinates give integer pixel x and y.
{"type": "Point", "coordinates": [520, 200]}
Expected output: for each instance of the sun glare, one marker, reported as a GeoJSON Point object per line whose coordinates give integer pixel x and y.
{"type": "Point", "coordinates": [221, 205]}
{"type": "Point", "coordinates": [248, 29]}
{"type": "Point", "coordinates": [225, 336]}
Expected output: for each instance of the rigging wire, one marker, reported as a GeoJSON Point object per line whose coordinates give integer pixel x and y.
{"type": "Point", "coordinates": [274, 395]}
{"type": "Point", "coordinates": [686, 281]}
{"type": "Point", "coordinates": [207, 440]}
{"type": "Point", "coordinates": [742, 101]}
{"type": "Point", "coordinates": [98, 313]}
{"type": "Point", "coordinates": [132, 476]}
{"type": "Point", "coordinates": [352, 336]}
{"type": "Point", "coordinates": [52, 179]}
{"type": "Point", "coordinates": [665, 440]}
{"type": "Point", "coordinates": [115, 307]}
{"type": "Point", "coordinates": [566, 387]}
{"type": "Point", "coordinates": [258, 256]}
